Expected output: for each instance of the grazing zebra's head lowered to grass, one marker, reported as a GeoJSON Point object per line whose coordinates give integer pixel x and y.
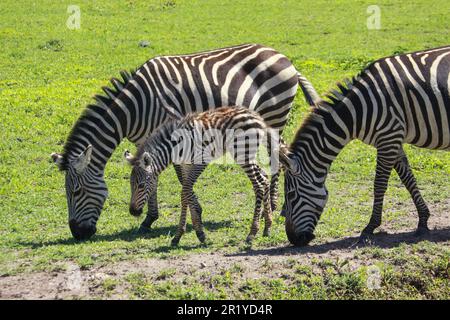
{"type": "Point", "coordinates": [395, 100]}
{"type": "Point", "coordinates": [85, 190]}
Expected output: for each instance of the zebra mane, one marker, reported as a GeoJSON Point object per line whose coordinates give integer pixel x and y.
{"type": "Point", "coordinates": [162, 131]}
{"type": "Point", "coordinates": [343, 88]}
{"type": "Point", "coordinates": [324, 107]}
{"type": "Point", "coordinates": [315, 116]}
{"type": "Point", "coordinates": [102, 103]}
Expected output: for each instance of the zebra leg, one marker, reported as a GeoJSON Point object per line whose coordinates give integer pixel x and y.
{"type": "Point", "coordinates": [181, 225]}
{"type": "Point", "coordinates": [152, 213]}
{"type": "Point", "coordinates": [274, 182]}
{"type": "Point", "coordinates": [406, 175]}
{"type": "Point", "coordinates": [275, 176]}
{"type": "Point", "coordinates": [268, 204]}
{"type": "Point", "coordinates": [194, 206]}
{"type": "Point", "coordinates": [194, 201]}
{"type": "Point", "coordinates": [385, 164]}
{"type": "Point", "coordinates": [262, 193]}
{"type": "Point", "coordinates": [181, 173]}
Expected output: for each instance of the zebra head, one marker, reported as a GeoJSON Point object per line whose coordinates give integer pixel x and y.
{"type": "Point", "coordinates": [304, 201]}
{"type": "Point", "coordinates": [86, 192]}
{"type": "Point", "coordinates": [142, 181]}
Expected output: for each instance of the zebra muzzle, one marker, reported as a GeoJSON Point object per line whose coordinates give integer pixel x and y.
{"type": "Point", "coordinates": [135, 211]}
{"type": "Point", "coordinates": [299, 239]}
{"type": "Point", "coordinates": [82, 231]}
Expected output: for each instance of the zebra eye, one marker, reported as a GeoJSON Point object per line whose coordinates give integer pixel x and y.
{"type": "Point", "coordinates": [76, 189]}
{"type": "Point", "coordinates": [141, 185]}
{"type": "Point", "coordinates": [291, 194]}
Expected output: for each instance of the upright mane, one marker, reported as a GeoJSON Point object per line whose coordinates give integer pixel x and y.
{"type": "Point", "coordinates": [331, 102]}
{"type": "Point", "coordinates": [164, 130]}
{"type": "Point", "coordinates": [315, 116]}
{"type": "Point", "coordinates": [101, 105]}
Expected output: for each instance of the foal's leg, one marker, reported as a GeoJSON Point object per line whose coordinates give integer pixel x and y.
{"type": "Point", "coordinates": [272, 139]}
{"type": "Point", "coordinates": [194, 200]}
{"type": "Point", "coordinates": [386, 157]}
{"type": "Point", "coordinates": [182, 224]}
{"type": "Point", "coordinates": [262, 194]}
{"type": "Point", "coordinates": [188, 193]}
{"type": "Point", "coordinates": [406, 175]}
{"type": "Point", "coordinates": [153, 212]}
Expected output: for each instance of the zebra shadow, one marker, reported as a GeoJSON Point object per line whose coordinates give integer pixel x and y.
{"type": "Point", "coordinates": [380, 240]}
{"type": "Point", "coordinates": [128, 235]}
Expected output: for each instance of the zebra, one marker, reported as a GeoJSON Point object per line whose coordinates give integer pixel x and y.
{"type": "Point", "coordinates": [250, 75]}
{"type": "Point", "coordinates": [394, 100]}
{"type": "Point", "coordinates": [193, 142]}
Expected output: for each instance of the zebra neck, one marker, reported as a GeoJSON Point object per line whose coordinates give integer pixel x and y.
{"type": "Point", "coordinates": [318, 142]}
{"type": "Point", "coordinates": [104, 125]}
{"type": "Point", "coordinates": [160, 147]}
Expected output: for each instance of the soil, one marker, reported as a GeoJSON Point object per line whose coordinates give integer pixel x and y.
{"type": "Point", "coordinates": [268, 262]}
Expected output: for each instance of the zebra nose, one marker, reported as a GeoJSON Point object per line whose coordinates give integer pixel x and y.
{"type": "Point", "coordinates": [135, 211]}
{"type": "Point", "coordinates": [81, 231]}
{"type": "Point", "coordinates": [302, 239]}
{"type": "Point", "coordinates": [299, 239]}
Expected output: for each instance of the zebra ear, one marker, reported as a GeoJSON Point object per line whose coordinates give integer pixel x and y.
{"type": "Point", "coordinates": [128, 156]}
{"type": "Point", "coordinates": [146, 159]}
{"type": "Point", "coordinates": [83, 160]}
{"type": "Point", "coordinates": [57, 159]}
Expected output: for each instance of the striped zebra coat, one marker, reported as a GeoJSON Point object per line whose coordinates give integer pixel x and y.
{"type": "Point", "coordinates": [250, 75]}
{"type": "Point", "coordinates": [395, 100]}
{"type": "Point", "coordinates": [193, 142]}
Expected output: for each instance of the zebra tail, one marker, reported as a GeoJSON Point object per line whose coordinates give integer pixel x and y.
{"type": "Point", "coordinates": [311, 95]}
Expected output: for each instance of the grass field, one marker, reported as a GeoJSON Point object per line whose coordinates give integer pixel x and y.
{"type": "Point", "coordinates": [48, 73]}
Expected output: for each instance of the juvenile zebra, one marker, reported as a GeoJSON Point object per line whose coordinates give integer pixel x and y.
{"type": "Point", "coordinates": [395, 100]}
{"type": "Point", "coordinates": [194, 141]}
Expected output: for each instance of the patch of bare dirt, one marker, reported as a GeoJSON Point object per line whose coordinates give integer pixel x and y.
{"type": "Point", "coordinates": [273, 262]}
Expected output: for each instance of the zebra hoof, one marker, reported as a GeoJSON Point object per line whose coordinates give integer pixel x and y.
{"type": "Point", "coordinates": [144, 230]}
{"type": "Point", "coordinates": [249, 239]}
{"type": "Point", "coordinates": [363, 241]}
{"type": "Point", "coordinates": [422, 231]}
{"type": "Point", "coordinates": [201, 237]}
{"type": "Point", "coordinates": [266, 233]}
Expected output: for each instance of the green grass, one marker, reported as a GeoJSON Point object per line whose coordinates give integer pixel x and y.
{"type": "Point", "coordinates": [48, 73]}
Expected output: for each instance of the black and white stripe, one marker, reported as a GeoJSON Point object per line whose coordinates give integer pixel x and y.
{"type": "Point", "coordinates": [193, 142]}
{"type": "Point", "coordinates": [250, 75]}
{"type": "Point", "coordinates": [395, 100]}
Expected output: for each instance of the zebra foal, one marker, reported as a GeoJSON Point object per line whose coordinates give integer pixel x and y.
{"type": "Point", "coordinates": [395, 100]}
{"type": "Point", "coordinates": [192, 142]}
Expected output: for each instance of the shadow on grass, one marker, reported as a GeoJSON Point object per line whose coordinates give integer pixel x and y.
{"type": "Point", "coordinates": [380, 240]}
{"type": "Point", "coordinates": [129, 235]}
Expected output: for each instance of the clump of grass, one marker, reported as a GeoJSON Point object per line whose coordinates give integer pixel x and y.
{"type": "Point", "coordinates": [165, 274]}
{"type": "Point", "coordinates": [52, 45]}
{"type": "Point", "coordinates": [109, 284]}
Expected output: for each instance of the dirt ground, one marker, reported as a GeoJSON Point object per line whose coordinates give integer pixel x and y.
{"type": "Point", "coordinates": [268, 262]}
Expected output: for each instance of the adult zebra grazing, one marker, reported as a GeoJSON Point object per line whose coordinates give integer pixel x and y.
{"type": "Point", "coordinates": [249, 75]}
{"type": "Point", "coordinates": [395, 100]}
